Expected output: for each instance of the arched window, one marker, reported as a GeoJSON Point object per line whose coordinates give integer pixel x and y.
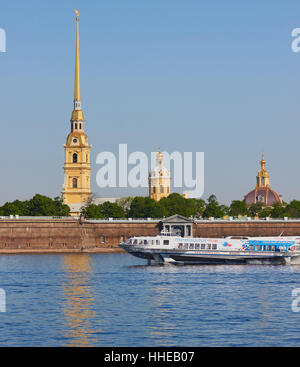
{"type": "Point", "coordinates": [75, 158]}
{"type": "Point", "coordinates": [74, 183]}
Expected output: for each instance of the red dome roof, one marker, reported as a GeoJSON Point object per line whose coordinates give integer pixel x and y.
{"type": "Point", "coordinates": [264, 195]}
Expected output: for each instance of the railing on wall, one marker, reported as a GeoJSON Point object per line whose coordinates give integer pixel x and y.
{"type": "Point", "coordinates": [145, 220]}
{"type": "Point", "coordinates": [14, 217]}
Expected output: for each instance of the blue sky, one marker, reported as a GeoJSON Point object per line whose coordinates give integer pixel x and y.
{"type": "Point", "coordinates": [213, 76]}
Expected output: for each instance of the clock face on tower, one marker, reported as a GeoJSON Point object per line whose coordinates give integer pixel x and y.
{"type": "Point", "coordinates": [75, 141]}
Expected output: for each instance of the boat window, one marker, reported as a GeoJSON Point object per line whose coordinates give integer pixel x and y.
{"type": "Point", "coordinates": [191, 246]}
{"type": "Point", "coordinates": [166, 242]}
{"type": "Point", "coordinates": [256, 247]}
{"type": "Point", "coordinates": [202, 246]}
{"type": "Point", "coordinates": [135, 242]}
{"type": "Point", "coordinates": [268, 248]}
{"type": "Point", "coordinates": [214, 246]}
{"type": "Point", "coordinates": [157, 242]}
{"type": "Point", "coordinates": [140, 242]}
{"type": "Point", "coordinates": [145, 242]}
{"type": "Point", "coordinates": [273, 248]}
{"type": "Point", "coordinates": [208, 246]}
{"type": "Point", "coordinates": [197, 246]}
{"type": "Point", "coordinates": [251, 247]}
{"type": "Point", "coordinates": [180, 245]}
{"type": "Point", "coordinates": [186, 245]}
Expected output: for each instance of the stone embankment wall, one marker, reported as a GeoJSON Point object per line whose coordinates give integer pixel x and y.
{"type": "Point", "coordinates": [69, 235]}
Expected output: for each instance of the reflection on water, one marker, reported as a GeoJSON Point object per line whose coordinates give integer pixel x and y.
{"type": "Point", "coordinates": [78, 301]}
{"type": "Point", "coordinates": [161, 327]}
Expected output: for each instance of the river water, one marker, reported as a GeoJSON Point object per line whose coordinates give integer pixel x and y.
{"type": "Point", "coordinates": [117, 300]}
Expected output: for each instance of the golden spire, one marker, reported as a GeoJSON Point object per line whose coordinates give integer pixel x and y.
{"type": "Point", "coordinates": [263, 162]}
{"type": "Point", "coordinates": [77, 114]}
{"type": "Point", "coordinates": [77, 65]}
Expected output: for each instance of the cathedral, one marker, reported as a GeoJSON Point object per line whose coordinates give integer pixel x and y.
{"type": "Point", "coordinates": [77, 188]}
{"type": "Point", "coordinates": [262, 193]}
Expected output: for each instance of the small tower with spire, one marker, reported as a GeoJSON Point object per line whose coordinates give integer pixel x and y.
{"type": "Point", "coordinates": [263, 178]}
{"type": "Point", "coordinates": [76, 189]}
{"type": "Point", "coordinates": [159, 179]}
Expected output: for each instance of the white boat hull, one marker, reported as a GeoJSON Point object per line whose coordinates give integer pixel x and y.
{"type": "Point", "coordinates": [231, 250]}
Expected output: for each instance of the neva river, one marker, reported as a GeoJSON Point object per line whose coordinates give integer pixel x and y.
{"type": "Point", "coordinates": [116, 300]}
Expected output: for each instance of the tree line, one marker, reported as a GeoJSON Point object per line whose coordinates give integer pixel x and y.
{"type": "Point", "coordinates": [145, 207]}
{"type": "Point", "coordinates": [39, 205]}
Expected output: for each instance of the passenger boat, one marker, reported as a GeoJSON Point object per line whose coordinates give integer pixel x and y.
{"type": "Point", "coordinates": [169, 248]}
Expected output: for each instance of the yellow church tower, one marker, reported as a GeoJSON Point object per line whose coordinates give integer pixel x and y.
{"type": "Point", "coordinates": [159, 179]}
{"type": "Point", "coordinates": [263, 178]}
{"type": "Point", "coordinates": [77, 188]}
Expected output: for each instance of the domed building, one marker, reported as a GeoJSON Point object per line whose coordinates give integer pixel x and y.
{"type": "Point", "coordinates": [159, 179]}
{"type": "Point", "coordinates": [262, 192]}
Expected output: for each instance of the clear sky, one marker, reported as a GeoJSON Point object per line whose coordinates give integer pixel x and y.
{"type": "Point", "coordinates": [217, 77]}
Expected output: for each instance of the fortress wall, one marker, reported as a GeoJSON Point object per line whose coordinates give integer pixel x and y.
{"type": "Point", "coordinates": [114, 231]}
{"type": "Point", "coordinates": [45, 234]}
{"type": "Point", "coordinates": [69, 235]}
{"type": "Point", "coordinates": [255, 228]}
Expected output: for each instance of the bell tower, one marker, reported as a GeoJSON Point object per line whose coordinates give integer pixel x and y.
{"type": "Point", "coordinates": [159, 179]}
{"type": "Point", "coordinates": [263, 178]}
{"type": "Point", "coordinates": [77, 188]}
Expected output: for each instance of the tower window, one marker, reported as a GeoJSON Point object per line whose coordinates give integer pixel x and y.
{"type": "Point", "coordinates": [161, 189]}
{"type": "Point", "coordinates": [75, 183]}
{"type": "Point", "coordinates": [75, 158]}
{"type": "Point", "coordinates": [75, 126]}
{"type": "Point", "coordinates": [154, 190]}
{"type": "Point", "coordinates": [80, 126]}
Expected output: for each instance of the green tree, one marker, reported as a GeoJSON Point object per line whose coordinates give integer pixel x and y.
{"type": "Point", "coordinates": [293, 209]}
{"type": "Point", "coordinates": [176, 204]}
{"type": "Point", "coordinates": [238, 207]}
{"type": "Point", "coordinates": [265, 212]}
{"type": "Point", "coordinates": [92, 211]}
{"type": "Point", "coordinates": [145, 207]}
{"type": "Point", "coordinates": [16, 207]}
{"type": "Point", "coordinates": [61, 209]}
{"type": "Point", "coordinates": [279, 211]}
{"type": "Point", "coordinates": [213, 209]}
{"type": "Point", "coordinates": [41, 205]}
{"type": "Point", "coordinates": [112, 210]}
{"type": "Point", "coordinates": [195, 207]}
{"type": "Point", "coordinates": [255, 209]}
